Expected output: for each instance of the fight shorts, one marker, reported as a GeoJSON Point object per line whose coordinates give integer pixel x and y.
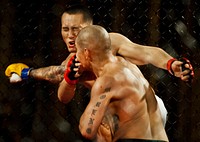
{"type": "Point", "coordinates": [163, 110]}
{"type": "Point", "coordinates": [138, 140]}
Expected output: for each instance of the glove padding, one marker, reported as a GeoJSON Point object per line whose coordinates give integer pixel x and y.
{"type": "Point", "coordinates": [191, 71]}
{"type": "Point", "coordinates": [19, 68]}
{"type": "Point", "coordinates": [184, 62]}
{"type": "Point", "coordinates": [69, 74]}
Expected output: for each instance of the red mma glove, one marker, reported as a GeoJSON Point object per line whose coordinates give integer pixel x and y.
{"type": "Point", "coordinates": [69, 74]}
{"type": "Point", "coordinates": [184, 61]}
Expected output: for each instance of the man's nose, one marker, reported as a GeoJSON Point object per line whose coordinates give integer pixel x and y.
{"type": "Point", "coordinates": [71, 33]}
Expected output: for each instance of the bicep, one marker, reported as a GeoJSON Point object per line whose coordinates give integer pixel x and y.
{"type": "Point", "coordinates": [135, 53]}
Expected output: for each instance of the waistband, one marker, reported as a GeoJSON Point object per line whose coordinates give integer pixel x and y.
{"type": "Point", "coordinates": [138, 140]}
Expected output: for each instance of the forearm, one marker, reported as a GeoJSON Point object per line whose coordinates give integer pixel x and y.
{"type": "Point", "coordinates": [142, 55]}
{"type": "Point", "coordinates": [157, 57]}
{"type": "Point", "coordinates": [86, 128]}
{"type": "Point", "coordinates": [66, 92]}
{"type": "Point", "coordinates": [52, 74]}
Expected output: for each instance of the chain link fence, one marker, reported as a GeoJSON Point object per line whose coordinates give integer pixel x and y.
{"type": "Point", "coordinates": [30, 33]}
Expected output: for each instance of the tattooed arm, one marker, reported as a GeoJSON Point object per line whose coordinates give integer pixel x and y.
{"type": "Point", "coordinates": [53, 74]}
{"type": "Point", "coordinates": [91, 119]}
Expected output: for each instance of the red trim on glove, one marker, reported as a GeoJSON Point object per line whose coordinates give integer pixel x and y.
{"type": "Point", "coordinates": [190, 67]}
{"type": "Point", "coordinates": [169, 65]}
{"type": "Point", "coordinates": [68, 70]}
{"type": "Point", "coordinates": [70, 82]}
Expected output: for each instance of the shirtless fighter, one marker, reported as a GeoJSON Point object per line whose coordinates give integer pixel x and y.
{"type": "Point", "coordinates": [73, 20]}
{"type": "Point", "coordinates": [121, 98]}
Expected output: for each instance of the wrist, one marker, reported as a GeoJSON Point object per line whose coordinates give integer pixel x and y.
{"type": "Point", "coordinates": [25, 73]}
{"type": "Point", "coordinates": [169, 65]}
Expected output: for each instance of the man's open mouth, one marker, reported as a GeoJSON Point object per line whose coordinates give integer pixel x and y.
{"type": "Point", "coordinates": [72, 43]}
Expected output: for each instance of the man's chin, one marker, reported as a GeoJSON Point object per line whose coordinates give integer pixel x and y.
{"type": "Point", "coordinates": [72, 50]}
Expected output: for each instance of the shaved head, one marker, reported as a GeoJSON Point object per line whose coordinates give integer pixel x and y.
{"type": "Point", "coordinates": [93, 46]}
{"type": "Point", "coordinates": [94, 37]}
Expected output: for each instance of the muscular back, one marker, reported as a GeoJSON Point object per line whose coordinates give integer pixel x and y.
{"type": "Point", "coordinates": [132, 111]}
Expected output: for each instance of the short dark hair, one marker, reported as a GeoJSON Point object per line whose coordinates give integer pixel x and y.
{"type": "Point", "coordinates": [80, 9]}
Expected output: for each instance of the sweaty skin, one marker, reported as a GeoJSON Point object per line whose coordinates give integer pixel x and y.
{"type": "Point", "coordinates": [124, 105]}
{"type": "Point", "coordinates": [122, 100]}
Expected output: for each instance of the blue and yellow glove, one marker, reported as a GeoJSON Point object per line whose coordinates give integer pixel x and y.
{"type": "Point", "coordinates": [18, 68]}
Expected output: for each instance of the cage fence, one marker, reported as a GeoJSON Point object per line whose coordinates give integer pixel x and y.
{"type": "Point", "coordinates": [30, 33]}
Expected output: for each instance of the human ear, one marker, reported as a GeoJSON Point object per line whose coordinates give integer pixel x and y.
{"type": "Point", "coordinates": [86, 53]}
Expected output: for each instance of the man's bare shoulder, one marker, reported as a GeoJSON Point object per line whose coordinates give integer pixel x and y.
{"type": "Point", "coordinates": [121, 45]}
{"type": "Point", "coordinates": [116, 36]}
{"type": "Point", "coordinates": [104, 80]}
{"type": "Point", "coordinates": [67, 59]}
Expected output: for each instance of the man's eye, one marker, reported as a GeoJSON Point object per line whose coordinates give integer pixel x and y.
{"type": "Point", "coordinates": [76, 29]}
{"type": "Point", "coordinates": [65, 29]}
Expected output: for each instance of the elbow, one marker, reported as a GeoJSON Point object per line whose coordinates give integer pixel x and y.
{"type": "Point", "coordinates": [65, 98]}
{"type": "Point", "coordinates": [87, 133]}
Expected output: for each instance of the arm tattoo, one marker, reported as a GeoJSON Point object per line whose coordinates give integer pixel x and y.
{"type": "Point", "coordinates": [107, 89]}
{"type": "Point", "coordinates": [102, 97]}
{"type": "Point", "coordinates": [91, 121]}
{"type": "Point", "coordinates": [98, 104]}
{"type": "Point", "coordinates": [94, 111]}
{"type": "Point", "coordinates": [116, 122]}
{"type": "Point", "coordinates": [53, 74]}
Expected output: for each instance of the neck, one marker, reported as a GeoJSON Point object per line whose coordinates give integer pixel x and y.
{"type": "Point", "coordinates": [98, 65]}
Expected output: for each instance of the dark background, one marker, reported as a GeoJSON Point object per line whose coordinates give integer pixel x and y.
{"type": "Point", "coordinates": [30, 33]}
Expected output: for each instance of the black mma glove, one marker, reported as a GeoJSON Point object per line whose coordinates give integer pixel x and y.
{"type": "Point", "coordinates": [191, 71]}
